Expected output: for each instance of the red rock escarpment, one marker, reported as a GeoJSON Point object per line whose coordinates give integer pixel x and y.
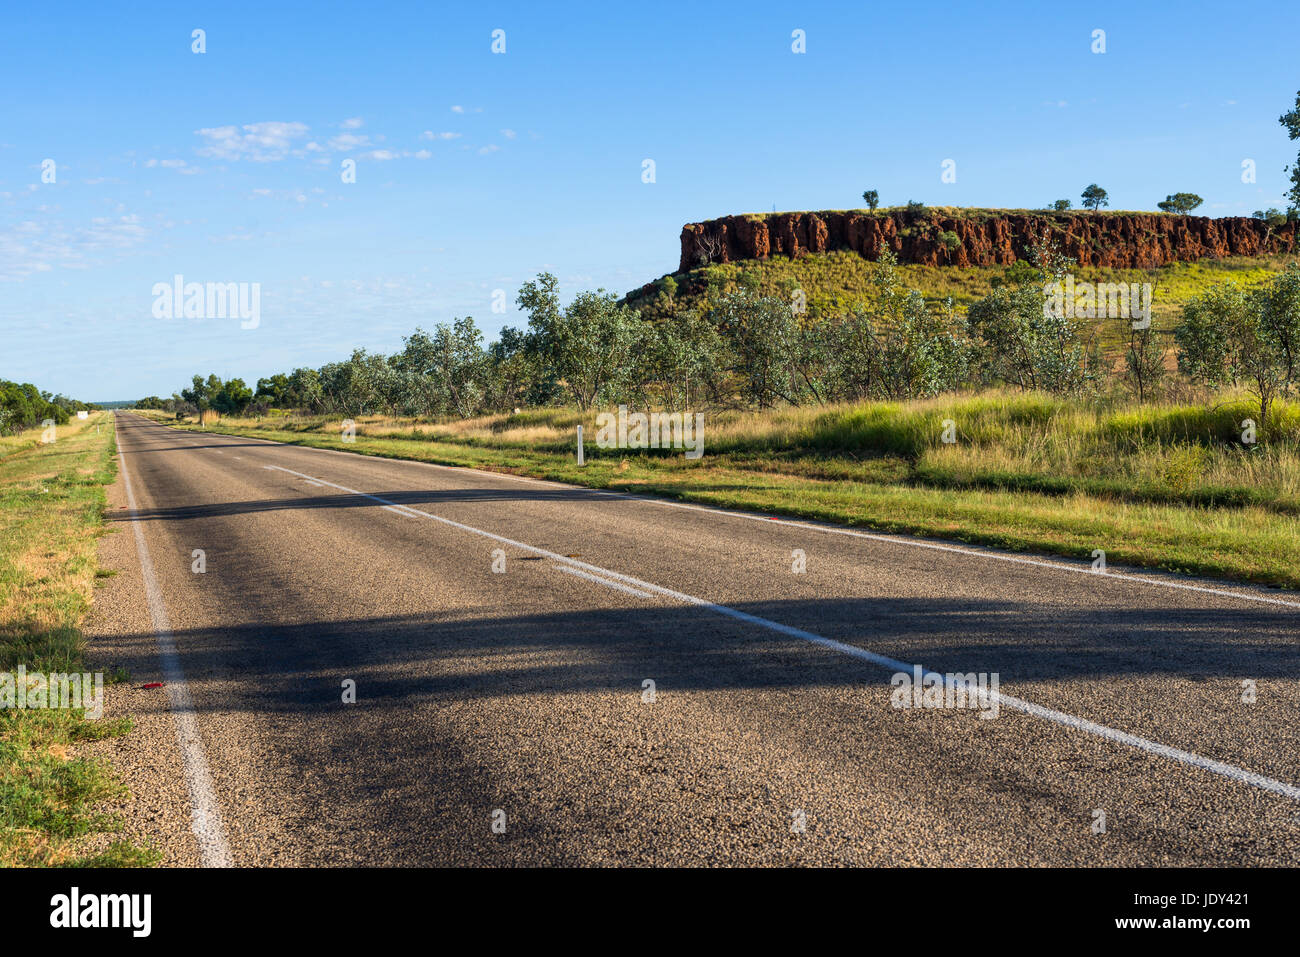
{"type": "Point", "coordinates": [1116, 240]}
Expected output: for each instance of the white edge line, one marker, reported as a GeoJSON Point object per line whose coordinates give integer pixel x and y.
{"type": "Point", "coordinates": [1059, 717]}
{"type": "Point", "coordinates": [206, 810]}
{"type": "Point", "coordinates": [900, 539]}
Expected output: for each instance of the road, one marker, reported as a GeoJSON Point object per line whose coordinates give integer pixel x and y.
{"type": "Point", "coordinates": [503, 716]}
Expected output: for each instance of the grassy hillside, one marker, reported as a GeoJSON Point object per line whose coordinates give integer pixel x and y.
{"type": "Point", "coordinates": [834, 282]}
{"type": "Point", "coordinates": [1165, 486]}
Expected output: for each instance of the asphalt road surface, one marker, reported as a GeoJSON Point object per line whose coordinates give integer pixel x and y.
{"type": "Point", "coordinates": [549, 675]}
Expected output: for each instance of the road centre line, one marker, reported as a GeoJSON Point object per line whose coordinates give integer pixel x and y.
{"type": "Point", "coordinates": [1220, 768]}
{"type": "Point", "coordinates": [897, 540]}
{"type": "Point", "coordinates": [603, 581]}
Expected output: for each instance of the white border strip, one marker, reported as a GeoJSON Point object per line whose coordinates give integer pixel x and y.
{"type": "Point", "coordinates": [1059, 717]}
{"type": "Point", "coordinates": [205, 809]}
{"type": "Point", "coordinates": [896, 539]}
{"type": "Point", "coordinates": [900, 538]}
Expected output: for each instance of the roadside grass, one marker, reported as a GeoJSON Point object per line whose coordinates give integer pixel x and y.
{"type": "Point", "coordinates": [51, 513]}
{"type": "Point", "coordinates": [1166, 486]}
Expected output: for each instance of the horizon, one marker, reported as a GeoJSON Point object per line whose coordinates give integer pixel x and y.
{"type": "Point", "coordinates": [477, 170]}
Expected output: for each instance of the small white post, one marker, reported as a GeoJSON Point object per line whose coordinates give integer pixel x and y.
{"type": "Point", "coordinates": [581, 459]}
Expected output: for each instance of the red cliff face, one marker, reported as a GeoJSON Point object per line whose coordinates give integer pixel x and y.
{"type": "Point", "coordinates": [1116, 240]}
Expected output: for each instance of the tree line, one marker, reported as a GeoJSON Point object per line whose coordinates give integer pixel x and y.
{"type": "Point", "coordinates": [746, 349]}
{"type": "Point", "coordinates": [23, 406]}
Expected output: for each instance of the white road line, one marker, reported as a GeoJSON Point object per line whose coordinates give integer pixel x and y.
{"type": "Point", "coordinates": [873, 536]}
{"type": "Point", "coordinates": [206, 814]}
{"type": "Point", "coordinates": [603, 581]}
{"type": "Point", "coordinates": [1059, 717]}
{"type": "Point", "coordinates": [897, 539]}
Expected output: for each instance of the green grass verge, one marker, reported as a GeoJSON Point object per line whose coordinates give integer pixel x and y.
{"type": "Point", "coordinates": [52, 501]}
{"type": "Point", "coordinates": [1158, 486]}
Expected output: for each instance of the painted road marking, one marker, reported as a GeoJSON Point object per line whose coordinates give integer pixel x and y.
{"type": "Point", "coordinates": [603, 581]}
{"type": "Point", "coordinates": [872, 536]}
{"type": "Point", "coordinates": [899, 540]}
{"type": "Point", "coordinates": [206, 817]}
{"type": "Point", "coordinates": [1058, 717]}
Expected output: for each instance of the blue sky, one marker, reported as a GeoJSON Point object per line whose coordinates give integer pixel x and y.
{"type": "Point", "coordinates": [475, 170]}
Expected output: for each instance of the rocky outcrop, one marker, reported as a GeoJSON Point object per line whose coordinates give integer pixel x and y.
{"type": "Point", "coordinates": [984, 237]}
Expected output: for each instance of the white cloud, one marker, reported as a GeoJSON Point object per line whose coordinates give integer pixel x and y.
{"type": "Point", "coordinates": [483, 151]}
{"type": "Point", "coordinates": [294, 194]}
{"type": "Point", "coordinates": [352, 123]}
{"type": "Point", "coordinates": [458, 109]}
{"type": "Point", "coordinates": [30, 247]}
{"type": "Point", "coordinates": [260, 142]}
{"type": "Point", "coordinates": [349, 141]}
{"type": "Point", "coordinates": [509, 134]}
{"type": "Point", "coordinates": [431, 135]}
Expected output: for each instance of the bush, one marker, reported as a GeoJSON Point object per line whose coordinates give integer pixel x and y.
{"type": "Point", "coordinates": [26, 407]}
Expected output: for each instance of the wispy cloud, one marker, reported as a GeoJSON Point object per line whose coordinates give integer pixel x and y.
{"type": "Point", "coordinates": [383, 155]}
{"type": "Point", "coordinates": [346, 142]}
{"type": "Point", "coordinates": [30, 247]}
{"type": "Point", "coordinates": [259, 142]}
{"type": "Point", "coordinates": [182, 167]}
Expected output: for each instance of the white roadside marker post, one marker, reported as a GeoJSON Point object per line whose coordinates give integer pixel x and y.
{"type": "Point", "coordinates": [581, 458]}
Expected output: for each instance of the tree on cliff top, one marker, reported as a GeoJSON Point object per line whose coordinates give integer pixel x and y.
{"type": "Point", "coordinates": [1094, 197]}
{"type": "Point", "coordinates": [1182, 203]}
{"type": "Point", "coordinates": [872, 199]}
{"type": "Point", "coordinates": [1291, 121]}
